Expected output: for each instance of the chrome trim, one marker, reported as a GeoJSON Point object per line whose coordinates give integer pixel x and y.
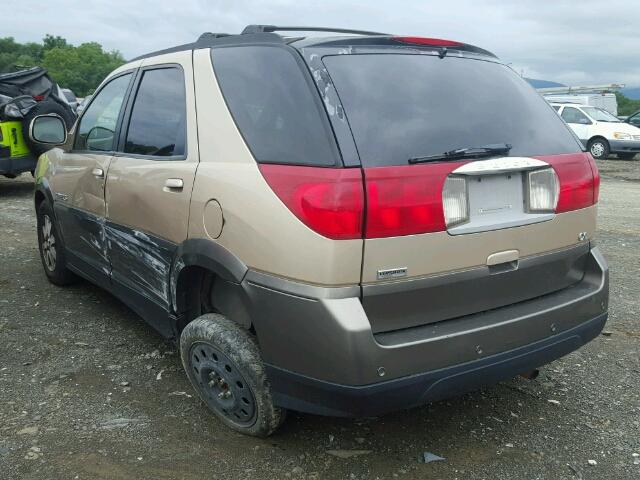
{"type": "Point", "coordinates": [392, 273]}
{"type": "Point", "coordinates": [499, 165]}
{"type": "Point", "coordinates": [66, 133]}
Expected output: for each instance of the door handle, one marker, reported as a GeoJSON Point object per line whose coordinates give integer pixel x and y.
{"type": "Point", "coordinates": [98, 172]}
{"type": "Point", "coordinates": [173, 184]}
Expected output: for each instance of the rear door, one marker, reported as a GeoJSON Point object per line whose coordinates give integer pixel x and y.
{"type": "Point", "coordinates": [151, 177]}
{"type": "Point", "coordinates": [450, 237]}
{"type": "Point", "coordinates": [79, 180]}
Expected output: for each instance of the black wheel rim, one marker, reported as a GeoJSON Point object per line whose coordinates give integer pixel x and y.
{"type": "Point", "coordinates": [48, 245]}
{"type": "Point", "coordinates": [223, 387]}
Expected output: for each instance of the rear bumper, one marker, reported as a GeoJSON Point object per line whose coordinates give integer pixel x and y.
{"type": "Point", "coordinates": [323, 357]}
{"type": "Point", "coordinates": [297, 392]}
{"type": "Point", "coordinates": [624, 146]}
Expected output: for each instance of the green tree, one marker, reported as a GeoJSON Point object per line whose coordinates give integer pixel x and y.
{"type": "Point", "coordinates": [25, 60]}
{"type": "Point", "coordinates": [81, 68]}
{"type": "Point", "coordinates": [626, 106]}
{"type": "Point", "coordinates": [50, 42]}
{"type": "Point", "coordinates": [13, 54]}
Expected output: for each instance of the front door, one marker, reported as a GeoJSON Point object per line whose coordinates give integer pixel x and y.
{"type": "Point", "coordinates": [578, 122]}
{"type": "Point", "coordinates": [79, 180]}
{"type": "Point", "coordinates": [150, 180]}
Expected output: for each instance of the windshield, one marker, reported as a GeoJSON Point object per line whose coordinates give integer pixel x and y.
{"type": "Point", "coordinates": [409, 105]}
{"type": "Point", "coordinates": [600, 115]}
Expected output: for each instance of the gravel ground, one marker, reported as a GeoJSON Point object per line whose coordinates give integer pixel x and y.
{"type": "Point", "coordinates": [88, 391]}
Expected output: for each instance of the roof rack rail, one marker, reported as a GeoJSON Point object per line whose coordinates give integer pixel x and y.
{"type": "Point", "coordinates": [210, 35]}
{"type": "Point", "coordinates": [274, 28]}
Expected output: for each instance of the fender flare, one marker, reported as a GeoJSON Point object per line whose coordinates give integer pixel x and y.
{"type": "Point", "coordinates": [43, 187]}
{"type": "Point", "coordinates": [206, 254]}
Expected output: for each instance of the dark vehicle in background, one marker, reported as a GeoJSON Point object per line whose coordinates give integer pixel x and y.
{"type": "Point", "coordinates": [71, 98]}
{"type": "Point", "coordinates": [83, 104]}
{"type": "Point", "coordinates": [634, 119]}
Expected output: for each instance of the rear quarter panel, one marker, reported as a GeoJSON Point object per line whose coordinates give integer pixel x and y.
{"type": "Point", "coordinates": [257, 227]}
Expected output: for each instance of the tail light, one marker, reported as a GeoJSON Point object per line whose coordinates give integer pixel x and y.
{"type": "Point", "coordinates": [38, 98]}
{"type": "Point", "coordinates": [406, 200]}
{"type": "Point", "coordinates": [455, 201]}
{"type": "Point", "coordinates": [579, 181]}
{"type": "Point", "coordinates": [415, 199]}
{"type": "Point", "coordinates": [596, 178]}
{"type": "Point", "coordinates": [542, 190]}
{"type": "Point", "coordinates": [435, 42]}
{"type": "Point", "coordinates": [330, 201]}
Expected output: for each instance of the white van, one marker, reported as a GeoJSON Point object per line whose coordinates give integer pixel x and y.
{"type": "Point", "coordinates": [599, 131]}
{"type": "Point", "coordinates": [606, 101]}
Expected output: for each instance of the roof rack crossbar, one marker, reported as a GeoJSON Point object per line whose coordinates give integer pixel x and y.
{"type": "Point", "coordinates": [274, 28]}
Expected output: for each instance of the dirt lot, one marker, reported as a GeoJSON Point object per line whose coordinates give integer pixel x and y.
{"type": "Point", "coordinates": [88, 391]}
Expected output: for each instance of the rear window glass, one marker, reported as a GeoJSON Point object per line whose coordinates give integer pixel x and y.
{"type": "Point", "coordinates": [401, 106]}
{"type": "Point", "coordinates": [273, 105]}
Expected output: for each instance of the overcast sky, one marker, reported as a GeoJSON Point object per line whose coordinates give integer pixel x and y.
{"type": "Point", "coordinates": [575, 42]}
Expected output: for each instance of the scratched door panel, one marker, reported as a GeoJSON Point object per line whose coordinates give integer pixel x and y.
{"type": "Point", "coordinates": [142, 261]}
{"type": "Point", "coordinates": [80, 209]}
{"type": "Point", "coordinates": [150, 179]}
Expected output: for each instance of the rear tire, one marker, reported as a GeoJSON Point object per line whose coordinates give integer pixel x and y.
{"type": "Point", "coordinates": [223, 363]}
{"type": "Point", "coordinates": [626, 156]}
{"type": "Point", "coordinates": [599, 148]}
{"type": "Point", "coordinates": [51, 249]}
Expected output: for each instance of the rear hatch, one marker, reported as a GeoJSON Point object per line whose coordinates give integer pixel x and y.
{"type": "Point", "coordinates": [476, 193]}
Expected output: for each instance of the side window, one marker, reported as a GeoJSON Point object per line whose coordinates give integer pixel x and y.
{"type": "Point", "coordinates": [97, 128]}
{"type": "Point", "coordinates": [158, 119]}
{"type": "Point", "coordinates": [557, 107]}
{"type": "Point", "coordinates": [573, 115]}
{"type": "Point", "coordinates": [635, 120]}
{"type": "Point", "coordinates": [274, 106]}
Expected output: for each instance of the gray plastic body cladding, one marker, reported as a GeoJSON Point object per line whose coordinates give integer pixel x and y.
{"type": "Point", "coordinates": [298, 392]}
{"type": "Point", "coordinates": [624, 146]}
{"type": "Point", "coordinates": [410, 303]}
{"type": "Point", "coordinates": [326, 334]}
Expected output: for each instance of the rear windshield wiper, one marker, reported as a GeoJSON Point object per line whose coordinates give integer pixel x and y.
{"type": "Point", "coordinates": [470, 152]}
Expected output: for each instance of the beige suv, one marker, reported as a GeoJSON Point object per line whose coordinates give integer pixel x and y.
{"type": "Point", "coordinates": [343, 225]}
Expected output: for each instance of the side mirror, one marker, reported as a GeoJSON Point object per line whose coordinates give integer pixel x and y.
{"type": "Point", "coordinates": [584, 121]}
{"type": "Point", "coordinates": [48, 130]}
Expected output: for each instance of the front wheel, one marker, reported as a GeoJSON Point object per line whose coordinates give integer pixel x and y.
{"type": "Point", "coordinates": [223, 363]}
{"type": "Point", "coordinates": [51, 250]}
{"type": "Point", "coordinates": [599, 148]}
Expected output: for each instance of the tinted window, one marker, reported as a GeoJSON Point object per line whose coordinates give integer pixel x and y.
{"type": "Point", "coordinates": [273, 105]}
{"type": "Point", "coordinates": [158, 118]}
{"type": "Point", "coordinates": [97, 127]}
{"type": "Point", "coordinates": [573, 115]}
{"type": "Point", "coordinates": [401, 106]}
